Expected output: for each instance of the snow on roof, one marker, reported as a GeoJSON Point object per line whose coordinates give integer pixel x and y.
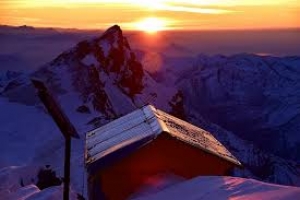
{"type": "Point", "coordinates": [146, 124]}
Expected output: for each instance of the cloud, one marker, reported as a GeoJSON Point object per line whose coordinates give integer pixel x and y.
{"type": "Point", "coordinates": [177, 8]}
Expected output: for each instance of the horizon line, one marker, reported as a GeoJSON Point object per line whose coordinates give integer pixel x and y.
{"type": "Point", "coordinates": [166, 30]}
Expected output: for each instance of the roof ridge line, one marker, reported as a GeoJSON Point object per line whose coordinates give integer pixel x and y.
{"type": "Point", "coordinates": [161, 123]}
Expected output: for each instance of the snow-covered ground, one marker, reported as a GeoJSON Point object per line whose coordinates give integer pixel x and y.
{"type": "Point", "coordinates": [17, 183]}
{"type": "Point", "coordinates": [220, 188]}
{"type": "Point", "coordinates": [175, 188]}
{"type": "Point", "coordinates": [32, 192]}
{"type": "Point", "coordinates": [29, 141]}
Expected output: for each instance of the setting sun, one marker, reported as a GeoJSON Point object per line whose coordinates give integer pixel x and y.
{"type": "Point", "coordinates": [151, 25]}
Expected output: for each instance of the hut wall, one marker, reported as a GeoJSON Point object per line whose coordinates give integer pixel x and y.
{"type": "Point", "coordinates": [163, 155]}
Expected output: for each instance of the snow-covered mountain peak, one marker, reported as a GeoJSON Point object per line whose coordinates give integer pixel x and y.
{"type": "Point", "coordinates": [100, 76]}
{"type": "Point", "coordinates": [109, 54]}
{"type": "Point", "coordinates": [114, 36]}
{"type": "Point", "coordinates": [115, 29]}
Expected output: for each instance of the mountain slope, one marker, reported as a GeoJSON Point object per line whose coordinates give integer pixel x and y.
{"type": "Point", "coordinates": [255, 97]}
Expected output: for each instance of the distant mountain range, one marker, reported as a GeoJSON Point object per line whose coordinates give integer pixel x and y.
{"type": "Point", "coordinates": [250, 103]}
{"type": "Point", "coordinates": [256, 97]}
{"type": "Point", "coordinates": [24, 28]}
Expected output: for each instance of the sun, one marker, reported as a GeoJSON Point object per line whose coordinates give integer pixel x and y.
{"type": "Point", "coordinates": [151, 25]}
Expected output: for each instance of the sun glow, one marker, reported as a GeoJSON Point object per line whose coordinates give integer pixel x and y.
{"type": "Point", "coordinates": [170, 14]}
{"type": "Point", "coordinates": [151, 25]}
{"type": "Point", "coordinates": [151, 4]}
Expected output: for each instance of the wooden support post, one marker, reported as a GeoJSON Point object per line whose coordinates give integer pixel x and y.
{"type": "Point", "coordinates": [65, 126]}
{"type": "Point", "coordinates": [67, 168]}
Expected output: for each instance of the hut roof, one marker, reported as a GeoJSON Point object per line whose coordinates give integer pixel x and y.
{"type": "Point", "coordinates": [142, 126]}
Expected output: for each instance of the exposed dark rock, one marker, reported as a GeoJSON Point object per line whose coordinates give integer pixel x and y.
{"type": "Point", "coordinates": [83, 109]}
{"type": "Point", "coordinates": [177, 106]}
{"type": "Point", "coordinates": [47, 178]}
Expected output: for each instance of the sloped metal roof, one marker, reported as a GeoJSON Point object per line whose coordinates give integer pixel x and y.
{"type": "Point", "coordinates": [145, 124]}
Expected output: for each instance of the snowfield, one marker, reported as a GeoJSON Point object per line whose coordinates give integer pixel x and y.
{"type": "Point", "coordinates": [200, 188]}
{"type": "Point", "coordinates": [11, 189]}
{"type": "Point", "coordinates": [31, 192]}
{"type": "Point", "coordinates": [220, 188]}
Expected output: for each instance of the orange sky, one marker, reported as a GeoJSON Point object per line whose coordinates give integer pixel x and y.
{"type": "Point", "coordinates": [131, 14]}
